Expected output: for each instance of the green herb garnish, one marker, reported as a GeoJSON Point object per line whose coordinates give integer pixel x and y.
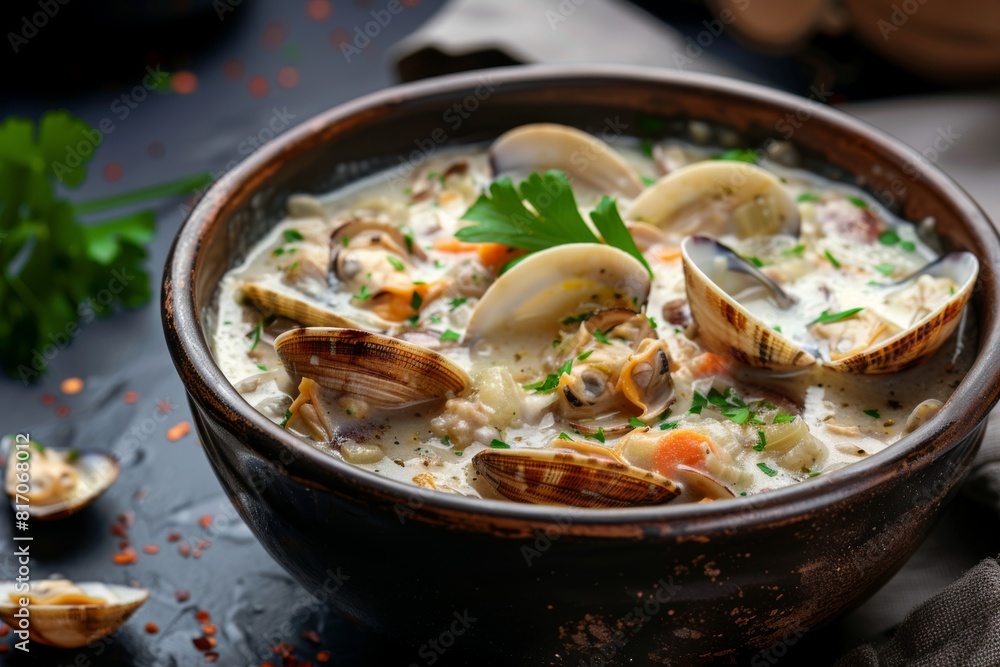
{"type": "Point", "coordinates": [885, 269]}
{"type": "Point", "coordinates": [455, 303]}
{"type": "Point", "coordinates": [284, 422]}
{"type": "Point", "coordinates": [72, 456]}
{"type": "Point", "coordinates": [584, 355]}
{"type": "Point", "coordinates": [888, 237]}
{"type": "Point", "coordinates": [796, 251]}
{"type": "Point", "coordinates": [564, 436]}
{"type": "Point", "coordinates": [599, 336]}
{"type": "Point", "coordinates": [635, 422]}
{"type": "Point", "coordinates": [730, 405]}
{"type": "Point", "coordinates": [450, 335]}
{"type": "Point", "coordinates": [761, 442]}
{"type": "Point", "coordinates": [501, 217]}
{"type": "Point", "coordinates": [826, 317]}
{"type": "Point", "coordinates": [756, 261]}
{"type": "Point", "coordinates": [551, 381]}
{"type": "Point", "coordinates": [646, 146]}
{"type": "Point", "coordinates": [764, 468]}
{"type": "Point", "coordinates": [599, 436]}
{"type": "Point", "coordinates": [416, 300]}
{"type": "Point", "coordinates": [363, 294]}
{"type": "Point", "coordinates": [697, 403]}
{"type": "Point", "coordinates": [833, 260]}
{"type": "Point", "coordinates": [574, 319]}
{"type": "Point", "coordinates": [292, 235]}
{"type": "Point", "coordinates": [873, 413]}
{"type": "Point", "coordinates": [739, 155]}
{"type": "Point", "coordinates": [396, 263]}
{"type": "Point", "coordinates": [807, 196]}
{"type": "Point", "coordinates": [858, 201]}
{"type": "Point", "coordinates": [908, 246]}
{"type": "Point", "coordinates": [499, 444]}
{"type": "Point", "coordinates": [782, 418]}
{"type": "Point", "coordinates": [666, 426]}
{"type": "Point", "coordinates": [255, 335]}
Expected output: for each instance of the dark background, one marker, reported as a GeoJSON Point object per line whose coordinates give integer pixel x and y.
{"type": "Point", "coordinates": [251, 62]}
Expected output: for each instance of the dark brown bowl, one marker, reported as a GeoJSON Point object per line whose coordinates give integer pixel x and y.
{"type": "Point", "coordinates": [544, 584]}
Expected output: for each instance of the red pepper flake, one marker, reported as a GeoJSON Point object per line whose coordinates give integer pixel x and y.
{"type": "Point", "coordinates": [127, 519]}
{"type": "Point", "coordinates": [178, 431]}
{"type": "Point", "coordinates": [323, 656]}
{"type": "Point", "coordinates": [48, 400]}
{"type": "Point", "coordinates": [152, 628]}
{"type": "Point", "coordinates": [130, 397]}
{"type": "Point", "coordinates": [312, 637]}
{"type": "Point", "coordinates": [184, 549]}
{"type": "Point", "coordinates": [203, 544]}
{"type": "Point", "coordinates": [197, 553]}
{"type": "Point", "coordinates": [201, 643]}
{"type": "Point", "coordinates": [211, 656]}
{"type": "Point", "coordinates": [205, 521]}
{"type": "Point", "coordinates": [151, 549]}
{"type": "Point", "coordinates": [174, 536]}
{"type": "Point", "coordinates": [203, 616]}
{"type": "Point", "coordinates": [164, 406]}
{"type": "Point", "coordinates": [126, 557]}
{"type": "Point", "coordinates": [208, 629]}
{"type": "Point", "coordinates": [122, 545]}
{"type": "Point", "coordinates": [4, 629]}
{"type": "Point", "coordinates": [62, 411]}
{"type": "Point", "coordinates": [182, 596]}
{"type": "Point", "coordinates": [71, 386]}
{"type": "Point", "coordinates": [118, 530]}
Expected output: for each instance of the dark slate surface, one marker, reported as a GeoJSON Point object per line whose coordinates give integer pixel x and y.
{"type": "Point", "coordinates": [168, 485]}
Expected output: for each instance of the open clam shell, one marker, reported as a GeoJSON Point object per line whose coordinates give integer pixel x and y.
{"type": "Point", "coordinates": [560, 281]}
{"type": "Point", "coordinates": [553, 477]}
{"type": "Point", "coordinates": [74, 625]}
{"type": "Point", "coordinates": [383, 371]}
{"type": "Point", "coordinates": [725, 326]}
{"type": "Point", "coordinates": [57, 487]}
{"type": "Point", "coordinates": [923, 337]}
{"type": "Point", "coordinates": [284, 304]}
{"type": "Point", "coordinates": [717, 197]}
{"type": "Point", "coordinates": [543, 146]}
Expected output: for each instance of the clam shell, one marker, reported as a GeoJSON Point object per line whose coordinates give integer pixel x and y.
{"type": "Point", "coordinates": [543, 146]}
{"type": "Point", "coordinates": [923, 338]}
{"type": "Point", "coordinates": [74, 626]}
{"type": "Point", "coordinates": [97, 471]}
{"type": "Point", "coordinates": [551, 284]}
{"type": "Point", "coordinates": [717, 197]}
{"type": "Point", "coordinates": [698, 485]}
{"type": "Point", "coordinates": [384, 371]}
{"type": "Point", "coordinates": [297, 309]}
{"type": "Point", "coordinates": [552, 477]}
{"type": "Point", "coordinates": [725, 326]}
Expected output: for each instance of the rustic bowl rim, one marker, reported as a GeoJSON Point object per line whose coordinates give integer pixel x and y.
{"type": "Point", "coordinates": [968, 406]}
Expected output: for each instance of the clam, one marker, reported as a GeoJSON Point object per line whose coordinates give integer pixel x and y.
{"type": "Point", "coordinates": [384, 371]}
{"type": "Point", "coordinates": [58, 483]}
{"type": "Point", "coordinates": [725, 326]}
{"type": "Point", "coordinates": [717, 197]}
{"type": "Point", "coordinates": [286, 304]}
{"type": "Point", "coordinates": [933, 299]}
{"type": "Point", "coordinates": [936, 316]}
{"type": "Point", "coordinates": [582, 156]}
{"type": "Point", "coordinates": [698, 486]}
{"type": "Point", "coordinates": [562, 281]}
{"type": "Point", "coordinates": [68, 615]}
{"type": "Point", "coordinates": [553, 477]}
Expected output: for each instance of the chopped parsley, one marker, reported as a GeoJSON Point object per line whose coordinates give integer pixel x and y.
{"type": "Point", "coordinates": [439, 264]}
{"type": "Point", "coordinates": [885, 269]}
{"type": "Point", "coordinates": [396, 263]}
{"type": "Point", "coordinates": [796, 251]}
{"type": "Point", "coordinates": [72, 455]}
{"type": "Point", "coordinates": [652, 322]}
{"type": "Point", "coordinates": [873, 413]}
{"type": "Point", "coordinates": [646, 146]}
{"type": "Point", "coordinates": [262, 367]}
{"type": "Point", "coordinates": [908, 246]}
{"type": "Point", "coordinates": [292, 235]}
{"type": "Point", "coordinates": [666, 426]}
{"type": "Point", "coordinates": [450, 335]}
{"type": "Point", "coordinates": [761, 442]}
{"type": "Point", "coordinates": [574, 319]}
{"type": "Point", "coordinates": [445, 441]}
{"type": "Point", "coordinates": [288, 415]}
{"type": "Point", "coordinates": [756, 261]}
{"type": "Point", "coordinates": [416, 300]}
{"type": "Point", "coordinates": [455, 303]}
{"type": "Point", "coordinates": [635, 422]}
{"type": "Point", "coordinates": [826, 317]}
{"type": "Point", "coordinates": [363, 294]}
{"type": "Point", "coordinates": [739, 155]}
{"type": "Point", "coordinates": [551, 381]}
{"type": "Point", "coordinates": [499, 444]}
{"type": "Point", "coordinates": [764, 468]}
{"type": "Point", "coordinates": [556, 342]}
{"type": "Point", "coordinates": [565, 436]}
{"type": "Point", "coordinates": [584, 355]}
{"type": "Point", "coordinates": [833, 260]}
{"type": "Point", "coordinates": [255, 335]}
{"type": "Point", "coordinates": [648, 181]}
{"type": "Point", "coordinates": [345, 241]}
{"type": "Point", "coordinates": [858, 201]}
{"type": "Point", "coordinates": [807, 196]}
{"type": "Point", "coordinates": [730, 405]}
{"type": "Point", "coordinates": [782, 418]}
{"type": "Point", "coordinates": [599, 336]}
{"type": "Point", "coordinates": [697, 403]}
{"type": "Point", "coordinates": [777, 327]}
{"type": "Point", "coordinates": [888, 237]}
{"type": "Point", "coordinates": [278, 251]}
{"type": "Point", "coordinates": [599, 436]}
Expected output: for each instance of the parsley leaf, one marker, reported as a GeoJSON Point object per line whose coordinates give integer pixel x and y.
{"type": "Point", "coordinates": [611, 226]}
{"type": "Point", "coordinates": [826, 317]}
{"type": "Point", "coordinates": [794, 252]}
{"type": "Point", "coordinates": [873, 413]}
{"type": "Point", "coordinates": [739, 155]}
{"type": "Point", "coordinates": [858, 201]}
{"type": "Point", "coordinates": [761, 442]}
{"type": "Point", "coordinates": [885, 269]}
{"type": "Point", "coordinates": [455, 303]}
{"type": "Point", "coordinates": [833, 260]}
{"type": "Point", "coordinates": [697, 403]}
{"type": "Point", "coordinates": [396, 263]}
{"type": "Point", "coordinates": [807, 196]}
{"type": "Point", "coordinates": [450, 335]}
{"type": "Point", "coordinates": [292, 235]}
{"type": "Point", "coordinates": [599, 336]}
{"type": "Point", "coordinates": [666, 426]}
{"type": "Point", "coordinates": [499, 444]}
{"type": "Point", "coordinates": [888, 237]}
{"type": "Point", "coordinates": [782, 417]}
{"type": "Point", "coordinates": [635, 422]}
{"type": "Point", "coordinates": [599, 436]}
{"type": "Point", "coordinates": [764, 468]}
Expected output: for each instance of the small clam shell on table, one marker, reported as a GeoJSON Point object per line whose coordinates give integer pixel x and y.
{"type": "Point", "coordinates": [87, 611]}
{"type": "Point", "coordinates": [59, 482]}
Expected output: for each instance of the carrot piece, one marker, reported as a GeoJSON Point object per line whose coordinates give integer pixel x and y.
{"type": "Point", "coordinates": [683, 447]}
{"type": "Point", "coordinates": [451, 244]}
{"type": "Point", "coordinates": [708, 363]}
{"type": "Point", "coordinates": [494, 255]}
{"type": "Point", "coordinates": [670, 253]}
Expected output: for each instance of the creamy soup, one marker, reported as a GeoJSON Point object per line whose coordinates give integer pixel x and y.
{"type": "Point", "coordinates": [550, 319]}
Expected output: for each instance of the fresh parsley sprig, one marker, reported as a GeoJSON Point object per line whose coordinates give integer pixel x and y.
{"type": "Point", "coordinates": [554, 219]}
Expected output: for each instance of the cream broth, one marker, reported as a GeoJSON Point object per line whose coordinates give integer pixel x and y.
{"type": "Point", "coordinates": [729, 427]}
